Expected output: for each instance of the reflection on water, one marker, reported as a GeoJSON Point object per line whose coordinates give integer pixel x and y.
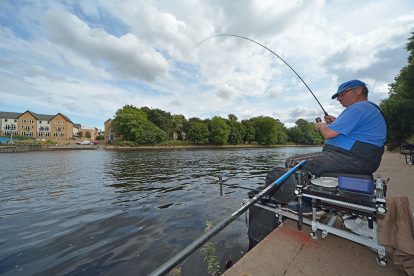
{"type": "Point", "coordinates": [107, 212]}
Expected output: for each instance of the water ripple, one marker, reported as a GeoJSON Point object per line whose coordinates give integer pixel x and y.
{"type": "Point", "coordinates": [107, 212]}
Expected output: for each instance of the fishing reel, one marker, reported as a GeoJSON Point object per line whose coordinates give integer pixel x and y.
{"type": "Point", "coordinates": [318, 120]}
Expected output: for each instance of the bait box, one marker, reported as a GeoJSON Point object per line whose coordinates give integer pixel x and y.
{"type": "Point", "coordinates": [360, 185]}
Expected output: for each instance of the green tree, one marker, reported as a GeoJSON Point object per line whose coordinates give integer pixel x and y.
{"type": "Point", "coordinates": [398, 108]}
{"type": "Point", "coordinates": [126, 119]}
{"type": "Point", "coordinates": [179, 123]}
{"type": "Point", "coordinates": [304, 133]}
{"type": "Point", "coordinates": [219, 131]}
{"type": "Point", "coordinates": [237, 130]}
{"type": "Point", "coordinates": [132, 124]}
{"type": "Point", "coordinates": [197, 131]}
{"type": "Point", "coordinates": [148, 133]}
{"type": "Point", "coordinates": [250, 131]}
{"type": "Point", "coordinates": [282, 136]}
{"type": "Point", "coordinates": [266, 130]}
{"type": "Point", "coordinates": [160, 118]}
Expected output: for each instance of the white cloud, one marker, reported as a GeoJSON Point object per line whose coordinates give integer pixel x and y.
{"type": "Point", "coordinates": [126, 55]}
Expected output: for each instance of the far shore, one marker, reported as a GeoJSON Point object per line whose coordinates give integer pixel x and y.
{"type": "Point", "coordinates": [195, 146]}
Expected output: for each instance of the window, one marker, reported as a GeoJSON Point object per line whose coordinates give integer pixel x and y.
{"type": "Point", "coordinates": [15, 121]}
{"type": "Point", "coordinates": [48, 122]}
{"type": "Point", "coordinates": [5, 120]}
{"type": "Point", "coordinates": [40, 122]}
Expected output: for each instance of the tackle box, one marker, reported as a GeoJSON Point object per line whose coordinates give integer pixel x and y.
{"type": "Point", "coordinates": [360, 185]}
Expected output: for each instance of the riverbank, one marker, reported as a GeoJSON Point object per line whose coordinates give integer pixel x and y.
{"type": "Point", "coordinates": [195, 146]}
{"type": "Point", "coordinates": [288, 251]}
{"type": "Point", "coordinates": [37, 147]}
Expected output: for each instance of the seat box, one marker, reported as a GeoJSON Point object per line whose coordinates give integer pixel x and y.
{"type": "Point", "coordinates": [359, 185]}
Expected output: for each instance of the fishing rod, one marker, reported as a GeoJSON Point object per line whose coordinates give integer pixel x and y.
{"type": "Point", "coordinates": [270, 50]}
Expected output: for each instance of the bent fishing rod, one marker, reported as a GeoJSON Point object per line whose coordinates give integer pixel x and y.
{"type": "Point", "coordinates": [270, 50]}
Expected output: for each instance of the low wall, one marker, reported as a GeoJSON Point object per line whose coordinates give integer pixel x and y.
{"type": "Point", "coordinates": [35, 147]}
{"type": "Point", "coordinates": [20, 148]}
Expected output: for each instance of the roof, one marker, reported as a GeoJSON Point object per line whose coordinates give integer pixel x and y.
{"type": "Point", "coordinates": [9, 115]}
{"type": "Point", "coordinates": [42, 117]}
{"type": "Point", "coordinates": [77, 125]}
{"type": "Point", "coordinates": [66, 118]}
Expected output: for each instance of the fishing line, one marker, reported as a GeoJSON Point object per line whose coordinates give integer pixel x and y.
{"type": "Point", "coordinates": [270, 50]}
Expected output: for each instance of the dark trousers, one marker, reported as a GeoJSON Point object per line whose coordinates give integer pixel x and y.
{"type": "Point", "coordinates": [333, 160]}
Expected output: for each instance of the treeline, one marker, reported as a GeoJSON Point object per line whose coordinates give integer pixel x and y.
{"type": "Point", "coordinates": [399, 107]}
{"type": "Point", "coordinates": [153, 126]}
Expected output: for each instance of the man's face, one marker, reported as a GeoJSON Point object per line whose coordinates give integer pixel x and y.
{"type": "Point", "coordinates": [350, 96]}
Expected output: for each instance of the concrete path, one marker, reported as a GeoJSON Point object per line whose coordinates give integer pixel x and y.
{"type": "Point", "coordinates": [287, 251]}
{"type": "Point", "coordinates": [401, 175]}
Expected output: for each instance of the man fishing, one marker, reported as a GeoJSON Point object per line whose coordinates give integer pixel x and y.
{"type": "Point", "coordinates": [354, 141]}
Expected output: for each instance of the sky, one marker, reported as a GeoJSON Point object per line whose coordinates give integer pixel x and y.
{"type": "Point", "coordinates": [87, 59]}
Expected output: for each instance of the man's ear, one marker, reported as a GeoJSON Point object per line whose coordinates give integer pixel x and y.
{"type": "Point", "coordinates": [358, 91]}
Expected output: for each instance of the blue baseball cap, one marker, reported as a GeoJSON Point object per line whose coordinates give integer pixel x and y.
{"type": "Point", "coordinates": [348, 85]}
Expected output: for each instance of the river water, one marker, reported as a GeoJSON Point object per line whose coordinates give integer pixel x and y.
{"type": "Point", "coordinates": [123, 212]}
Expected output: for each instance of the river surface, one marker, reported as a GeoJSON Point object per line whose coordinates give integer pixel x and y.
{"type": "Point", "coordinates": [123, 212]}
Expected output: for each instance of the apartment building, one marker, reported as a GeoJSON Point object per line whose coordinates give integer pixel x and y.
{"type": "Point", "coordinates": [31, 124]}
{"type": "Point", "coordinates": [8, 123]}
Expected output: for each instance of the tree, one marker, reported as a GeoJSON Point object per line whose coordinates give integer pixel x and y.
{"type": "Point", "coordinates": [148, 133]}
{"type": "Point", "coordinates": [237, 130]}
{"type": "Point", "coordinates": [132, 124]}
{"type": "Point", "coordinates": [161, 119]}
{"type": "Point", "coordinates": [197, 131]}
{"type": "Point", "coordinates": [80, 134]}
{"type": "Point", "coordinates": [266, 130]}
{"type": "Point", "coordinates": [219, 131]}
{"type": "Point", "coordinates": [282, 136]}
{"type": "Point", "coordinates": [250, 131]}
{"type": "Point", "coordinates": [304, 133]}
{"type": "Point", "coordinates": [126, 119]}
{"type": "Point", "coordinates": [398, 108]}
{"type": "Point", "coordinates": [179, 123]}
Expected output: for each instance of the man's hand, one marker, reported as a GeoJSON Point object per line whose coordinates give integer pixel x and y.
{"type": "Point", "coordinates": [329, 119]}
{"type": "Point", "coordinates": [326, 132]}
